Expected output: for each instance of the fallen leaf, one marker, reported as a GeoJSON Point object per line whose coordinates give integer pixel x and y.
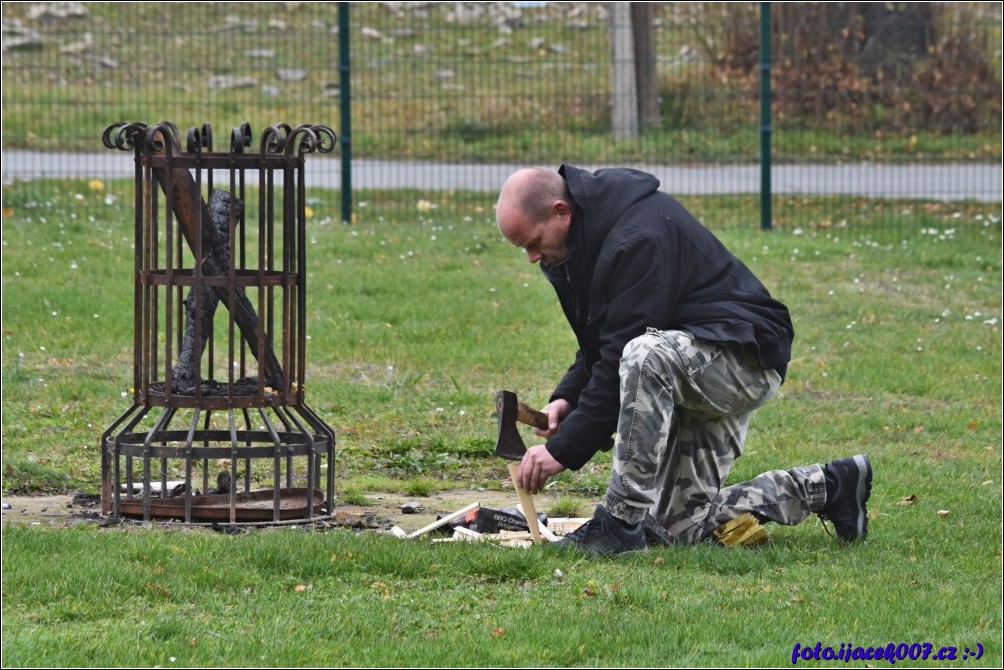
{"type": "Point", "coordinates": [918, 429]}
{"type": "Point", "coordinates": [498, 632]}
{"type": "Point", "coordinates": [943, 513]}
{"type": "Point", "coordinates": [158, 588]}
{"type": "Point", "coordinates": [909, 500]}
{"type": "Point", "coordinates": [300, 587]}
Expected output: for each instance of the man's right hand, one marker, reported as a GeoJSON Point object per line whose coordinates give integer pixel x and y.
{"type": "Point", "coordinates": [536, 467]}
{"type": "Point", "coordinates": [556, 411]}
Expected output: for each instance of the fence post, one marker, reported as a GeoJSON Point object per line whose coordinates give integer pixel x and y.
{"type": "Point", "coordinates": [765, 121]}
{"type": "Point", "coordinates": [646, 77]}
{"type": "Point", "coordinates": [345, 107]}
{"type": "Point", "coordinates": [624, 89]}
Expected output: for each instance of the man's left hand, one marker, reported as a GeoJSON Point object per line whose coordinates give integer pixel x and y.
{"type": "Point", "coordinates": [535, 468]}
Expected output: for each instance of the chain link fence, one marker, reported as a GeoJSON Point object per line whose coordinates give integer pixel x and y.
{"type": "Point", "coordinates": [868, 100]}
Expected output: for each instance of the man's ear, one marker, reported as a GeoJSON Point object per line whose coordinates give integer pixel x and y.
{"type": "Point", "coordinates": [561, 208]}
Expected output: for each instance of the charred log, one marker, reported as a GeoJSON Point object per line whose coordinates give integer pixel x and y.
{"type": "Point", "coordinates": [201, 302]}
{"type": "Point", "coordinates": [188, 206]}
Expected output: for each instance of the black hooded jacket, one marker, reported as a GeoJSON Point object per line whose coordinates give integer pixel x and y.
{"type": "Point", "coordinates": [638, 259]}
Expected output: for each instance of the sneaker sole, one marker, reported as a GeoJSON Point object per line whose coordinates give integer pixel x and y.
{"type": "Point", "coordinates": [862, 492]}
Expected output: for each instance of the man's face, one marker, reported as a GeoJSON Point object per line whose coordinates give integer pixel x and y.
{"type": "Point", "coordinates": [544, 241]}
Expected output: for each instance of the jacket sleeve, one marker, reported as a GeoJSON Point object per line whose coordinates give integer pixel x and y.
{"type": "Point", "coordinates": [636, 287]}
{"type": "Point", "coordinates": [573, 382]}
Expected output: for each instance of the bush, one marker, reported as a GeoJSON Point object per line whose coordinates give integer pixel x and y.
{"type": "Point", "coordinates": [874, 65]}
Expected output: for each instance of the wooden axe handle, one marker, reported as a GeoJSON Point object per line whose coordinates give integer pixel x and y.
{"type": "Point", "coordinates": [530, 416]}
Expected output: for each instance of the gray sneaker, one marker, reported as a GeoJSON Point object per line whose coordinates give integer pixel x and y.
{"type": "Point", "coordinates": [848, 485]}
{"type": "Point", "coordinates": [604, 535]}
{"type": "Point", "coordinates": [655, 534]}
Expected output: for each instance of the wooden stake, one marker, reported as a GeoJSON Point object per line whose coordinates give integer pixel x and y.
{"type": "Point", "coordinates": [544, 530]}
{"type": "Point", "coordinates": [529, 511]}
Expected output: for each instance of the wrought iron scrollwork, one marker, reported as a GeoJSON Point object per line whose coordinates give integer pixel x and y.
{"type": "Point", "coordinates": [280, 138]}
{"type": "Point", "coordinates": [122, 135]}
{"type": "Point", "coordinates": [240, 137]}
{"type": "Point", "coordinates": [199, 139]}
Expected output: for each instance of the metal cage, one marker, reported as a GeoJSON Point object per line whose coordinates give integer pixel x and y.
{"type": "Point", "coordinates": [219, 429]}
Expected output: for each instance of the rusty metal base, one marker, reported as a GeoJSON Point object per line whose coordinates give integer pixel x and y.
{"type": "Point", "coordinates": [253, 506]}
{"type": "Point", "coordinates": [292, 449]}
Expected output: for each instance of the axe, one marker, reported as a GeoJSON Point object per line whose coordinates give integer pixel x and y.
{"type": "Point", "coordinates": [510, 447]}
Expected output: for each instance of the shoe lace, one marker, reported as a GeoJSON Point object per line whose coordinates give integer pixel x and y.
{"type": "Point", "coordinates": [586, 531]}
{"type": "Point", "coordinates": [822, 522]}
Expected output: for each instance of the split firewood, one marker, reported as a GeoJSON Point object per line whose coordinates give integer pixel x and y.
{"type": "Point", "coordinates": [514, 535]}
{"type": "Point", "coordinates": [565, 525]}
{"type": "Point", "coordinates": [443, 521]}
{"type": "Point", "coordinates": [544, 531]}
{"type": "Point", "coordinates": [462, 533]}
{"type": "Point", "coordinates": [399, 532]}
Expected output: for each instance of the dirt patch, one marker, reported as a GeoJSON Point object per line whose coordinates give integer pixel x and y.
{"type": "Point", "coordinates": [383, 511]}
{"type": "Point", "coordinates": [43, 511]}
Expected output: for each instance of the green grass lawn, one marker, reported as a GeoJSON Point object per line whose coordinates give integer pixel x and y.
{"type": "Point", "coordinates": [417, 314]}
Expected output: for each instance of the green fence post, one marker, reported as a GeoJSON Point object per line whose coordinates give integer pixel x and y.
{"type": "Point", "coordinates": [765, 127]}
{"type": "Point", "coordinates": [345, 106]}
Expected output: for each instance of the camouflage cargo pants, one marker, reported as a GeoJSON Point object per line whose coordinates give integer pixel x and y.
{"type": "Point", "coordinates": [685, 408]}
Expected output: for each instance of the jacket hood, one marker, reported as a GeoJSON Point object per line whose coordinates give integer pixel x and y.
{"type": "Point", "coordinates": [601, 198]}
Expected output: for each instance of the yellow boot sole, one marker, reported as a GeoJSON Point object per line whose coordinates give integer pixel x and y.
{"type": "Point", "coordinates": [743, 531]}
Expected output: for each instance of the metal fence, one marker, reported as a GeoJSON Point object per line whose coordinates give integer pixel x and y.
{"type": "Point", "coordinates": [868, 100]}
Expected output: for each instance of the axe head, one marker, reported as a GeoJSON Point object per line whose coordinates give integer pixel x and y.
{"type": "Point", "coordinates": [510, 443]}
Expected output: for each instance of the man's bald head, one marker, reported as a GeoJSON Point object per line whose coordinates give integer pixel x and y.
{"type": "Point", "coordinates": [532, 191]}
{"type": "Point", "coordinates": [534, 212]}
